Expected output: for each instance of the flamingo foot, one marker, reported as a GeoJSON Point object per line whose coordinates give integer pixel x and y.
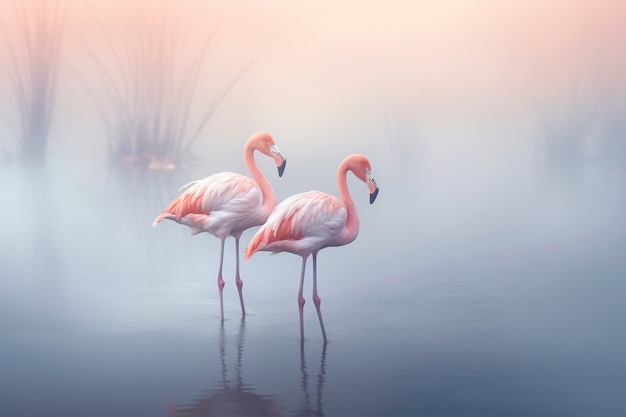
{"type": "Point", "coordinates": [220, 286]}
{"type": "Point", "coordinates": [301, 302]}
{"type": "Point", "coordinates": [239, 284]}
{"type": "Point", "coordinates": [317, 301]}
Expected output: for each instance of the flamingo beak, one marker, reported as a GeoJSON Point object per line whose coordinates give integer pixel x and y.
{"type": "Point", "coordinates": [373, 196]}
{"type": "Point", "coordinates": [279, 158]}
{"type": "Point", "coordinates": [372, 187]}
{"type": "Point", "coordinates": [281, 168]}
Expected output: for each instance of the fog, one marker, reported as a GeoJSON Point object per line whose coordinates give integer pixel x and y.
{"type": "Point", "coordinates": [487, 277]}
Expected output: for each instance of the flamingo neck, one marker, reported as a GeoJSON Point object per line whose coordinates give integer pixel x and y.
{"type": "Point", "coordinates": [269, 197]}
{"type": "Point", "coordinates": [351, 229]}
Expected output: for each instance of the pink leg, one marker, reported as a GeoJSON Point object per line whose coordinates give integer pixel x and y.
{"type": "Point", "coordinates": [301, 300]}
{"type": "Point", "coordinates": [238, 280]}
{"type": "Point", "coordinates": [220, 281]}
{"type": "Point", "coordinates": [316, 299]}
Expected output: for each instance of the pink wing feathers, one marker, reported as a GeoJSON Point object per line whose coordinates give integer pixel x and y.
{"type": "Point", "coordinates": [217, 193]}
{"type": "Point", "coordinates": [299, 223]}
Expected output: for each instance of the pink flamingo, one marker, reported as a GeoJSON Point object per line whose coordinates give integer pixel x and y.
{"type": "Point", "coordinates": [226, 204]}
{"type": "Point", "coordinates": [305, 223]}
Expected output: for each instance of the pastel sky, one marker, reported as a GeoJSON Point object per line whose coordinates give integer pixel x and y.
{"type": "Point", "coordinates": [335, 62]}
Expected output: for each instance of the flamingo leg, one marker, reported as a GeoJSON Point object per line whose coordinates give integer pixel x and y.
{"type": "Point", "coordinates": [238, 280]}
{"type": "Point", "coordinates": [301, 300]}
{"type": "Point", "coordinates": [220, 281]}
{"type": "Point", "coordinates": [316, 299]}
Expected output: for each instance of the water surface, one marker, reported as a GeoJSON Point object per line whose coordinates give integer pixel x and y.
{"type": "Point", "coordinates": [517, 311]}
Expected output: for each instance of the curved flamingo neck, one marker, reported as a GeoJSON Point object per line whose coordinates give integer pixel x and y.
{"type": "Point", "coordinates": [351, 229]}
{"type": "Point", "coordinates": [269, 197]}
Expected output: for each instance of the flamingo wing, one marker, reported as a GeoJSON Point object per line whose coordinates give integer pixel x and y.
{"type": "Point", "coordinates": [225, 196]}
{"type": "Point", "coordinates": [300, 224]}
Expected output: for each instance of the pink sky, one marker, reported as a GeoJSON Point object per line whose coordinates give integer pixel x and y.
{"type": "Point", "coordinates": [459, 41]}
{"type": "Point", "coordinates": [330, 58]}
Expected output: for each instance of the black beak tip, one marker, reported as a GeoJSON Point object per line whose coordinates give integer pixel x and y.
{"type": "Point", "coordinates": [373, 196]}
{"type": "Point", "coordinates": [281, 168]}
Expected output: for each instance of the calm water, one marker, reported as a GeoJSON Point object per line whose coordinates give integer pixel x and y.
{"type": "Point", "coordinates": [512, 306]}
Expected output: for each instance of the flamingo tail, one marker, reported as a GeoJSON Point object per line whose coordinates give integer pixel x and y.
{"type": "Point", "coordinates": [257, 243]}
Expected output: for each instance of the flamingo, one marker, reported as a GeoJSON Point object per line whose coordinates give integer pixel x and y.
{"type": "Point", "coordinates": [226, 204]}
{"type": "Point", "coordinates": [305, 223]}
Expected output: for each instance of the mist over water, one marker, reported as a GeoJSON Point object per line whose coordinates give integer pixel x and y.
{"type": "Point", "coordinates": [487, 277]}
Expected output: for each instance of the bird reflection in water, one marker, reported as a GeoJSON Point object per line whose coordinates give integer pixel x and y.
{"type": "Point", "coordinates": [307, 409]}
{"type": "Point", "coordinates": [235, 398]}
{"type": "Point", "coordinates": [228, 398]}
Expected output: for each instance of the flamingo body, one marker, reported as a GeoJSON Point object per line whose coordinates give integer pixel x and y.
{"type": "Point", "coordinates": [223, 205]}
{"type": "Point", "coordinates": [302, 224]}
{"type": "Point", "coordinates": [305, 223]}
{"type": "Point", "coordinates": [226, 204]}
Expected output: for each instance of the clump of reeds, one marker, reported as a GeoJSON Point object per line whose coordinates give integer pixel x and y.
{"type": "Point", "coordinates": [34, 51]}
{"type": "Point", "coordinates": [148, 89]}
{"type": "Point", "coordinates": [402, 111]}
{"type": "Point", "coordinates": [612, 143]}
{"type": "Point", "coordinates": [563, 143]}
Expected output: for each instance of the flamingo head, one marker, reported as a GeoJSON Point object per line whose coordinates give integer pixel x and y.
{"type": "Point", "coordinates": [362, 168]}
{"type": "Point", "coordinates": [264, 143]}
